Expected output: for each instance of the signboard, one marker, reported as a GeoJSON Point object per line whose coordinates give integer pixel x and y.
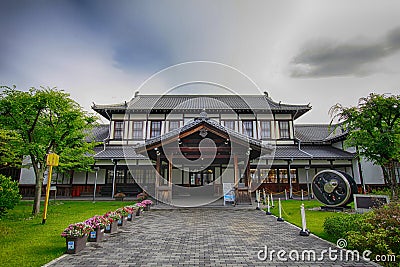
{"type": "Point", "coordinates": [364, 203]}
{"type": "Point", "coordinates": [52, 159]}
{"type": "Point", "coordinates": [229, 192]}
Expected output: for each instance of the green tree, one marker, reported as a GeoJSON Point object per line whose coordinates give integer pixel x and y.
{"type": "Point", "coordinates": [9, 156]}
{"type": "Point", "coordinates": [374, 128]}
{"type": "Point", "coordinates": [9, 194]}
{"type": "Point", "coordinates": [48, 120]}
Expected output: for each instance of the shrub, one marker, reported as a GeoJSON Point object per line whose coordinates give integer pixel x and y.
{"type": "Point", "coordinates": [338, 226]}
{"type": "Point", "coordinates": [9, 194]}
{"type": "Point", "coordinates": [380, 231]}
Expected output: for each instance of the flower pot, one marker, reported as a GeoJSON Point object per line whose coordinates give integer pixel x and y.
{"type": "Point", "coordinates": [96, 235]}
{"type": "Point", "coordinates": [121, 221]}
{"type": "Point", "coordinates": [130, 216]}
{"type": "Point", "coordinates": [111, 228]}
{"type": "Point", "coordinates": [75, 244]}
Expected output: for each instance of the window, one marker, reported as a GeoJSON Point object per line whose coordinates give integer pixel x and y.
{"type": "Point", "coordinates": [118, 129]}
{"type": "Point", "coordinates": [173, 125]}
{"type": "Point", "coordinates": [137, 129]}
{"type": "Point", "coordinates": [284, 178]}
{"type": "Point", "coordinates": [155, 129]}
{"type": "Point", "coordinates": [119, 178]}
{"type": "Point", "coordinates": [265, 129]}
{"type": "Point", "coordinates": [284, 129]}
{"type": "Point", "coordinates": [230, 124]}
{"type": "Point", "coordinates": [248, 128]}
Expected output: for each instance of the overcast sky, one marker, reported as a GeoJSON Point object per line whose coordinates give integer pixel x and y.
{"type": "Point", "coordinates": [300, 52]}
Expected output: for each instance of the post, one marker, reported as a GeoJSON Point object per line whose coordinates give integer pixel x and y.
{"type": "Point", "coordinates": [115, 174]}
{"type": "Point", "coordinates": [95, 184]}
{"type": "Point", "coordinates": [304, 231]}
{"type": "Point", "coordinates": [272, 201]}
{"type": "Point", "coordinates": [285, 194]}
{"type": "Point", "coordinates": [290, 181]}
{"type": "Point", "coordinates": [268, 212]}
{"type": "Point", "coordinates": [264, 197]}
{"type": "Point", "coordinates": [280, 219]}
{"type": "Point", "coordinates": [46, 201]}
{"type": "Point", "coordinates": [302, 195]}
{"type": "Point", "coordinates": [258, 194]}
{"type": "Point", "coordinates": [308, 184]}
{"type": "Point", "coordinates": [52, 160]}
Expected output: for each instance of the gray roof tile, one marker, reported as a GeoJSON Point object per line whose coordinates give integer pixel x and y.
{"type": "Point", "coordinates": [199, 102]}
{"type": "Point", "coordinates": [317, 152]}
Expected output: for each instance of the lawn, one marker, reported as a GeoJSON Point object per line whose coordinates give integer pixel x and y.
{"type": "Point", "coordinates": [315, 218]}
{"type": "Point", "coordinates": [24, 241]}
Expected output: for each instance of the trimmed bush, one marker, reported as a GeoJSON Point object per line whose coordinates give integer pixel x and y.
{"type": "Point", "coordinates": [338, 226]}
{"type": "Point", "coordinates": [9, 194]}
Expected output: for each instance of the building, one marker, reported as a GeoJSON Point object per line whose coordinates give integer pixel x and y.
{"type": "Point", "coordinates": [254, 142]}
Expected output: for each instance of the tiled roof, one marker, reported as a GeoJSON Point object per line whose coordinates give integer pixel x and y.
{"type": "Point", "coordinates": [199, 102]}
{"type": "Point", "coordinates": [317, 152]}
{"type": "Point", "coordinates": [117, 152]}
{"type": "Point", "coordinates": [213, 123]}
{"type": "Point", "coordinates": [317, 133]}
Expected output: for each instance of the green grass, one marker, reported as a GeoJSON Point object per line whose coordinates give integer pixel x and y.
{"type": "Point", "coordinates": [315, 218]}
{"type": "Point", "coordinates": [25, 241]}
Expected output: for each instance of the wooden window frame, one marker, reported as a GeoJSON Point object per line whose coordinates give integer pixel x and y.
{"type": "Point", "coordinates": [152, 128]}
{"type": "Point", "coordinates": [120, 130]}
{"type": "Point", "coordinates": [281, 129]}
{"type": "Point", "coordinates": [135, 130]}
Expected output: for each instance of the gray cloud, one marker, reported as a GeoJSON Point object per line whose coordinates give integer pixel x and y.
{"type": "Point", "coordinates": [325, 58]}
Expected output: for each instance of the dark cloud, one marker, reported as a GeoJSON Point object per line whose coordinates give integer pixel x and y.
{"type": "Point", "coordinates": [325, 58]}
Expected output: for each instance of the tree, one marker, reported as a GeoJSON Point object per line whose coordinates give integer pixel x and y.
{"type": "Point", "coordinates": [9, 194]}
{"type": "Point", "coordinates": [9, 157]}
{"type": "Point", "coordinates": [374, 128]}
{"type": "Point", "coordinates": [47, 120]}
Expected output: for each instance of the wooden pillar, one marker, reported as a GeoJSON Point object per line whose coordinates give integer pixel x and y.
{"type": "Point", "coordinates": [236, 169]}
{"type": "Point", "coordinates": [158, 170]}
{"type": "Point", "coordinates": [170, 172]}
{"type": "Point", "coordinates": [248, 178]}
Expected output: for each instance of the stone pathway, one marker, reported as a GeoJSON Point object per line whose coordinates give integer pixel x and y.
{"type": "Point", "coordinates": [203, 237]}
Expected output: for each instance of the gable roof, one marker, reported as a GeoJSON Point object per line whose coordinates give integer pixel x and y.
{"type": "Point", "coordinates": [249, 103]}
{"type": "Point", "coordinates": [319, 133]}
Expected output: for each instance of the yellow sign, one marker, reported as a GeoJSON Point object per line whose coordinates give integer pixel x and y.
{"type": "Point", "coordinates": [52, 159]}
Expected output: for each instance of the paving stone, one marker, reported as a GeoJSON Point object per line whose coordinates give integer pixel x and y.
{"type": "Point", "coordinates": [201, 237]}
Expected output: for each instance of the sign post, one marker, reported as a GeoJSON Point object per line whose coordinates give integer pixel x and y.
{"type": "Point", "coordinates": [52, 160]}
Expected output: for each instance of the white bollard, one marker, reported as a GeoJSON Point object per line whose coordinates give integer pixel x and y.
{"type": "Point", "coordinates": [264, 198]}
{"type": "Point", "coordinates": [258, 199]}
{"type": "Point", "coordinates": [285, 194]}
{"type": "Point", "coordinates": [302, 195]}
{"type": "Point", "coordinates": [268, 212]}
{"type": "Point", "coordinates": [280, 219]}
{"type": "Point", "coordinates": [304, 231]}
{"type": "Point", "coordinates": [272, 201]}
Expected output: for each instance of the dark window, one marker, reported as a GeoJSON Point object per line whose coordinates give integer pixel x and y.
{"type": "Point", "coordinates": [155, 129]}
{"type": "Point", "coordinates": [265, 129]}
{"type": "Point", "coordinates": [284, 129]}
{"type": "Point", "coordinates": [118, 129]}
{"type": "Point", "coordinates": [137, 130]}
{"type": "Point", "coordinates": [230, 124]}
{"type": "Point", "coordinates": [173, 125]}
{"type": "Point", "coordinates": [248, 128]}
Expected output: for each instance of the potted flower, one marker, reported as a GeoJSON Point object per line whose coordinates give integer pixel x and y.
{"type": "Point", "coordinates": [98, 223]}
{"type": "Point", "coordinates": [130, 210]}
{"type": "Point", "coordinates": [75, 236]}
{"type": "Point", "coordinates": [139, 208]}
{"type": "Point", "coordinates": [148, 203]}
{"type": "Point", "coordinates": [112, 218]}
{"type": "Point", "coordinates": [123, 213]}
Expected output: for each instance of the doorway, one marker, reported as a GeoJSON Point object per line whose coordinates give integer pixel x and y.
{"type": "Point", "coordinates": [203, 177]}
